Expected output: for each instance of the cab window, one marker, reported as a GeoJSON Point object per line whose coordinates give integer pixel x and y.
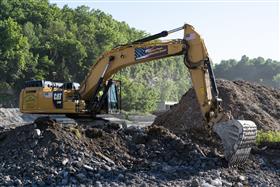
{"type": "Point", "coordinates": [33, 84]}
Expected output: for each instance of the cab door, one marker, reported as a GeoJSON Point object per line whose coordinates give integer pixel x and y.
{"type": "Point", "coordinates": [114, 97]}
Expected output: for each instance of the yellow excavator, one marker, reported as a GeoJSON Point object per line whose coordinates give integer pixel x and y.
{"type": "Point", "coordinates": [98, 93]}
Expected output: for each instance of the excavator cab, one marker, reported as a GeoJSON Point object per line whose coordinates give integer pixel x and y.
{"type": "Point", "coordinates": [110, 99]}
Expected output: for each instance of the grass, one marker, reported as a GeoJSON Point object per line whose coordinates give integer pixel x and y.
{"type": "Point", "coordinates": [268, 137]}
{"type": "Point", "coordinates": [134, 112]}
{"type": "Point", "coordinates": [126, 114]}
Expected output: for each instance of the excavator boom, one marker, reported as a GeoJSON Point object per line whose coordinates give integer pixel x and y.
{"type": "Point", "coordinates": [237, 135]}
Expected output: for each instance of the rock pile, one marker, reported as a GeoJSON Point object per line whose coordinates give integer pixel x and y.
{"type": "Point", "coordinates": [12, 117]}
{"type": "Point", "coordinates": [48, 153]}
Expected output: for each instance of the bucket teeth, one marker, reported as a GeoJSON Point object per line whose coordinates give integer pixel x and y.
{"type": "Point", "coordinates": [238, 136]}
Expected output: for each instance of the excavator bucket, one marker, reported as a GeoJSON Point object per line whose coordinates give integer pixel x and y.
{"type": "Point", "coordinates": [238, 136]}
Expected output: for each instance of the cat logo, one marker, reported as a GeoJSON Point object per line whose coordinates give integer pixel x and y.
{"type": "Point", "coordinates": [58, 99]}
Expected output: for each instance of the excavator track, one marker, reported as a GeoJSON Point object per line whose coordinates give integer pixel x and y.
{"type": "Point", "coordinates": [238, 136]}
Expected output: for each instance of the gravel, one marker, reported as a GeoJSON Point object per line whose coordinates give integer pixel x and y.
{"type": "Point", "coordinates": [111, 156]}
{"type": "Point", "coordinates": [48, 153]}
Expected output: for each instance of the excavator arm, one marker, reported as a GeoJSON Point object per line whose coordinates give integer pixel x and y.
{"type": "Point", "coordinates": [146, 50]}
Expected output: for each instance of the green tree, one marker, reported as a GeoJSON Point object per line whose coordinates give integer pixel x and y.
{"type": "Point", "coordinates": [255, 70]}
{"type": "Point", "coordinates": [15, 58]}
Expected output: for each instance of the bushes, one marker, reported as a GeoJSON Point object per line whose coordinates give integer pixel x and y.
{"type": "Point", "coordinates": [268, 137]}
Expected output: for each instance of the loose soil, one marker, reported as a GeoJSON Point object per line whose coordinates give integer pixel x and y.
{"type": "Point", "coordinates": [49, 153]}
{"type": "Point", "coordinates": [242, 99]}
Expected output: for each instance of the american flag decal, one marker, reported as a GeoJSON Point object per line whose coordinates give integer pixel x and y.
{"type": "Point", "coordinates": [150, 52]}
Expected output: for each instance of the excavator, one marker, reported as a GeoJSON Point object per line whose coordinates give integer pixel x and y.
{"type": "Point", "coordinates": [99, 93]}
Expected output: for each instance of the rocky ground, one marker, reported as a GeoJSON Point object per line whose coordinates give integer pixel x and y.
{"type": "Point", "coordinates": [46, 153]}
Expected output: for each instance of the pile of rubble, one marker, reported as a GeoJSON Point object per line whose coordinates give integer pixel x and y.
{"type": "Point", "coordinates": [109, 154]}
{"type": "Point", "coordinates": [48, 153]}
{"type": "Point", "coordinates": [10, 116]}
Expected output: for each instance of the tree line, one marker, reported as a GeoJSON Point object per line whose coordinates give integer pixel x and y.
{"type": "Point", "coordinates": [259, 70]}
{"type": "Point", "coordinates": [39, 40]}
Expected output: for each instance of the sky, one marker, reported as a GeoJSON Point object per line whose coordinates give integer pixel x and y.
{"type": "Point", "coordinates": [230, 28]}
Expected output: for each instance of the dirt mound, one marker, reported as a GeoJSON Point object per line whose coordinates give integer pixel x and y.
{"type": "Point", "coordinates": [253, 102]}
{"type": "Point", "coordinates": [243, 99]}
{"type": "Point", "coordinates": [47, 153]}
